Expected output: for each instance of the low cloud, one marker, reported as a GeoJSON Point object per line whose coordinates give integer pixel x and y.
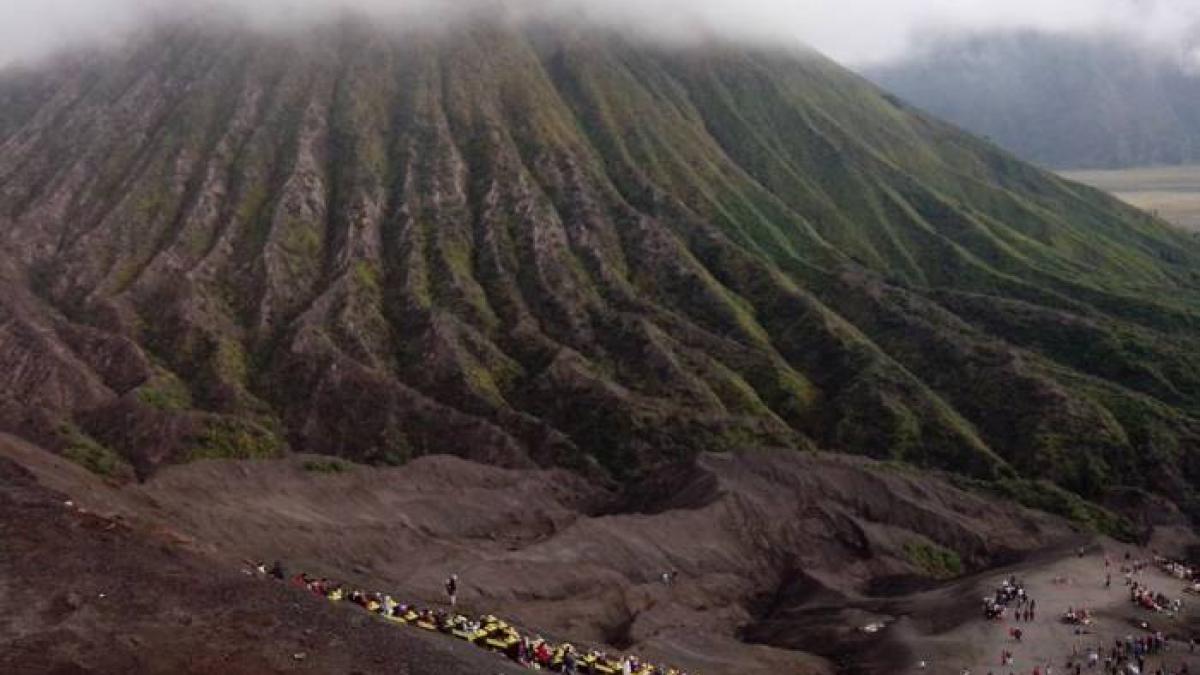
{"type": "Point", "coordinates": [852, 31]}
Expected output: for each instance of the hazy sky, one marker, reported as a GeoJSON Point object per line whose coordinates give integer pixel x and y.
{"type": "Point", "coordinates": [852, 31]}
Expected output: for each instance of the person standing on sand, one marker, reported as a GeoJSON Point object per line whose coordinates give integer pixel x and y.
{"type": "Point", "coordinates": [452, 589]}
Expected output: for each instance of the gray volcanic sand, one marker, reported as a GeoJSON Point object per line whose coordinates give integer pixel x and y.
{"type": "Point", "coordinates": [782, 556]}
{"type": "Point", "coordinates": [87, 594]}
{"type": "Point", "coordinates": [977, 643]}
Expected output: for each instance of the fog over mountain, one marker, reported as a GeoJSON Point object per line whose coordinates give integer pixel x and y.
{"type": "Point", "coordinates": [1102, 100]}
{"type": "Point", "coordinates": [851, 31]}
{"type": "Point", "coordinates": [562, 297]}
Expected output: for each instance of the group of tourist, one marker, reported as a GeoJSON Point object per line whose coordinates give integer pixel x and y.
{"type": "Point", "coordinates": [1077, 617]}
{"type": "Point", "coordinates": [1128, 657]}
{"type": "Point", "coordinates": [1176, 569]}
{"type": "Point", "coordinates": [1010, 595]}
{"type": "Point", "coordinates": [1152, 600]}
{"type": "Point", "coordinates": [1155, 601]}
{"type": "Point", "coordinates": [1125, 656]}
{"type": "Point", "coordinates": [487, 632]}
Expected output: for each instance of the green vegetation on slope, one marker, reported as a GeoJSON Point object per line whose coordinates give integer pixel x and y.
{"type": "Point", "coordinates": [565, 247]}
{"type": "Point", "coordinates": [232, 438]}
{"type": "Point", "coordinates": [92, 455]}
{"type": "Point", "coordinates": [934, 561]}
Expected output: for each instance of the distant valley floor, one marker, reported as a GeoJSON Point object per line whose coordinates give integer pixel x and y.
{"type": "Point", "coordinates": [1173, 192]}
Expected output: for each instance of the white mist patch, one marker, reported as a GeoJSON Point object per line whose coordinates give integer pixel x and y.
{"type": "Point", "coordinates": [853, 31]}
{"type": "Point", "coordinates": [1190, 61]}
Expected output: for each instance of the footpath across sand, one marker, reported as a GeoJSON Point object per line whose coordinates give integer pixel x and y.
{"type": "Point", "coordinates": [1066, 581]}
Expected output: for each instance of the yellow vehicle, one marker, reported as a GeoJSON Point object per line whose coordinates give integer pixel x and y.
{"type": "Point", "coordinates": [469, 636]}
{"type": "Point", "coordinates": [503, 640]}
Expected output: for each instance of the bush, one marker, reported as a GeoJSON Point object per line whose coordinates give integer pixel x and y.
{"type": "Point", "coordinates": [92, 455]}
{"type": "Point", "coordinates": [324, 466]}
{"type": "Point", "coordinates": [934, 561]}
{"type": "Point", "coordinates": [1046, 496]}
{"type": "Point", "coordinates": [233, 438]}
{"type": "Point", "coordinates": [165, 393]}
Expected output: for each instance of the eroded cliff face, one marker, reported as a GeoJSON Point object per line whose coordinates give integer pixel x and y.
{"type": "Point", "coordinates": [559, 247]}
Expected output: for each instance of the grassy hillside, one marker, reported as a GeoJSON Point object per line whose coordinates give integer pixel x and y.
{"type": "Point", "coordinates": [563, 247]}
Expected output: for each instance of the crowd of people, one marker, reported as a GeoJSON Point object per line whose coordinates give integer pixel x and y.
{"type": "Point", "coordinates": [487, 632]}
{"type": "Point", "coordinates": [1077, 616]}
{"type": "Point", "coordinates": [1133, 654]}
{"type": "Point", "coordinates": [1177, 569]}
{"type": "Point", "coordinates": [1152, 600]}
{"type": "Point", "coordinates": [1010, 596]}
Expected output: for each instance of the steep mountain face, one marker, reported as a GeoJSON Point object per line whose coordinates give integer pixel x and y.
{"type": "Point", "coordinates": [1058, 100]}
{"type": "Point", "coordinates": [552, 246]}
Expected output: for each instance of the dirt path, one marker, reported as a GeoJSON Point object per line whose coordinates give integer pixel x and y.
{"type": "Point", "coordinates": [977, 644]}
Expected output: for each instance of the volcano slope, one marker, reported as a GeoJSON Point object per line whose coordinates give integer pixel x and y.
{"type": "Point", "coordinates": [536, 245]}
{"type": "Point", "coordinates": [767, 545]}
{"type": "Point", "coordinates": [98, 593]}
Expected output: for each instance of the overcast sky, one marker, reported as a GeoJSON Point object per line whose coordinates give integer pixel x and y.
{"type": "Point", "coordinates": [852, 31]}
